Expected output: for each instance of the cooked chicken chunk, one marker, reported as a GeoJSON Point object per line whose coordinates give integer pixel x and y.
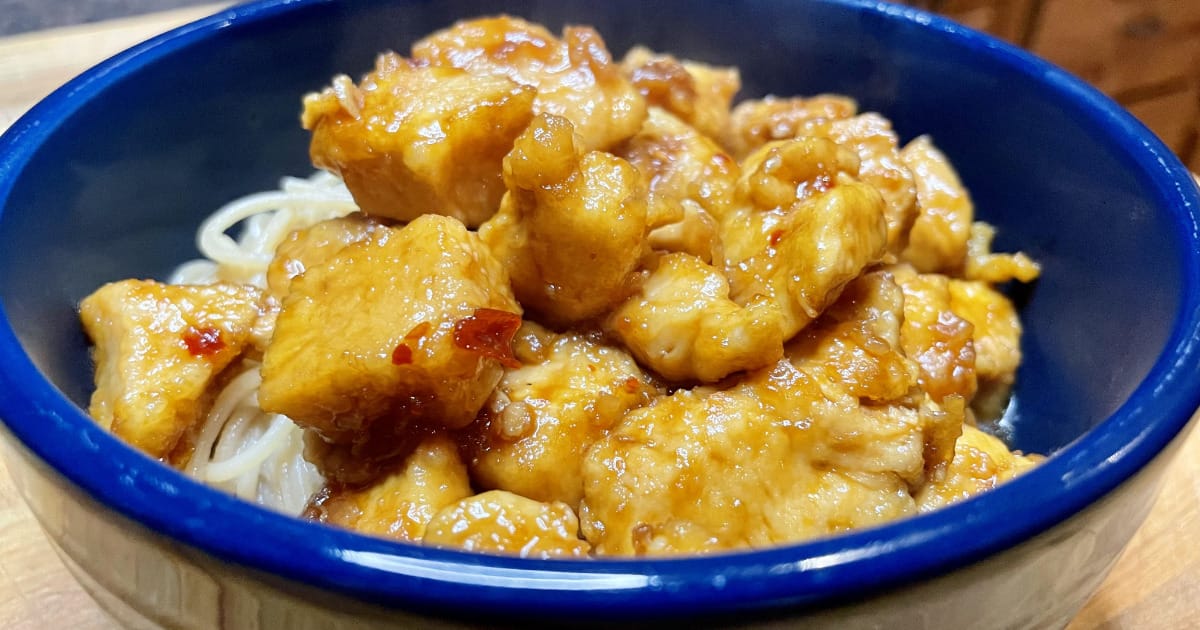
{"type": "Point", "coordinates": [416, 140]}
{"type": "Point", "coordinates": [571, 229]}
{"type": "Point", "coordinates": [756, 122]}
{"type": "Point", "coordinates": [401, 504]}
{"type": "Point", "coordinates": [313, 246]}
{"type": "Point", "coordinates": [575, 77]}
{"type": "Point", "coordinates": [697, 93]}
{"type": "Point", "coordinates": [937, 241]}
{"type": "Point", "coordinates": [698, 472]}
{"type": "Point", "coordinates": [780, 174]}
{"type": "Point", "coordinates": [683, 325]}
{"type": "Point", "coordinates": [804, 231]}
{"type": "Point", "coordinates": [936, 336]}
{"type": "Point", "coordinates": [985, 266]}
{"type": "Point", "coordinates": [981, 462]}
{"type": "Point", "coordinates": [997, 329]}
{"type": "Point", "coordinates": [505, 523]}
{"type": "Point", "coordinates": [546, 414]}
{"type": "Point", "coordinates": [157, 349]}
{"type": "Point", "coordinates": [691, 182]}
{"type": "Point", "coordinates": [789, 453]}
{"type": "Point", "coordinates": [872, 138]}
{"type": "Point", "coordinates": [692, 231]}
{"type": "Point", "coordinates": [410, 324]}
{"type": "Point", "coordinates": [857, 342]}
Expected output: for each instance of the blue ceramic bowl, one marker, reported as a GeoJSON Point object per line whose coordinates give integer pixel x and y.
{"type": "Point", "coordinates": [108, 178]}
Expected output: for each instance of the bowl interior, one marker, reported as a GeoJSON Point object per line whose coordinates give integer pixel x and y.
{"type": "Point", "coordinates": [146, 150]}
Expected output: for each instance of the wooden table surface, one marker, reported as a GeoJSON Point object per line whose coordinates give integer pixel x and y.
{"type": "Point", "coordinates": [1155, 586]}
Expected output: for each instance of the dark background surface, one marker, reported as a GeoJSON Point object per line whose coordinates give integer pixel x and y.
{"type": "Point", "coordinates": [19, 16]}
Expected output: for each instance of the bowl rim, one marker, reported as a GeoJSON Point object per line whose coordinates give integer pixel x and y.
{"type": "Point", "coordinates": [60, 434]}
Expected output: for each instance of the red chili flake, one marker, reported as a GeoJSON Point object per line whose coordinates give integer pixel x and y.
{"type": "Point", "coordinates": [631, 385]}
{"type": "Point", "coordinates": [776, 236]}
{"type": "Point", "coordinates": [489, 333]}
{"type": "Point", "coordinates": [203, 342]}
{"type": "Point", "coordinates": [418, 331]}
{"type": "Point", "coordinates": [402, 355]}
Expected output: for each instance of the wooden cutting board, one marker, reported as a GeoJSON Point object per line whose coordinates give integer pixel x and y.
{"type": "Point", "coordinates": [1155, 586]}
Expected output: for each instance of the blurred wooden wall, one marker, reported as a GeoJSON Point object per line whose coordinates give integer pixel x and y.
{"type": "Point", "coordinates": [1143, 53]}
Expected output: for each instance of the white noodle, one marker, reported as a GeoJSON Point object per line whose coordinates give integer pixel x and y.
{"type": "Point", "coordinates": [201, 271]}
{"type": "Point", "coordinates": [240, 448]}
{"type": "Point", "coordinates": [233, 395]}
{"type": "Point", "coordinates": [267, 218]}
{"type": "Point", "coordinates": [252, 454]}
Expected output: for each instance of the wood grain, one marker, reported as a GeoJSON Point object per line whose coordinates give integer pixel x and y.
{"type": "Point", "coordinates": [1143, 53]}
{"type": "Point", "coordinates": [1171, 116]}
{"type": "Point", "coordinates": [1152, 587]}
{"type": "Point", "coordinates": [1121, 46]}
{"type": "Point", "coordinates": [1009, 19]}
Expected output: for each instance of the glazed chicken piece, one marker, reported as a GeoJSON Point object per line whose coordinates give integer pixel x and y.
{"type": "Point", "coordinates": [698, 472]}
{"type": "Point", "coordinates": [697, 93]}
{"type": "Point", "coordinates": [690, 230]}
{"type": "Point", "coordinates": [981, 462]}
{"type": "Point", "coordinates": [572, 228]}
{"type": "Point", "coordinates": [691, 182]}
{"type": "Point", "coordinates": [944, 238]}
{"type": "Point", "coordinates": [756, 122]}
{"type": "Point", "coordinates": [501, 522]}
{"type": "Point", "coordinates": [314, 246]}
{"type": "Point", "coordinates": [804, 228]}
{"type": "Point", "coordinates": [936, 336]}
{"type": "Point", "coordinates": [158, 348]}
{"type": "Point", "coordinates": [402, 503]}
{"type": "Point", "coordinates": [871, 137]}
{"type": "Point", "coordinates": [303, 248]}
{"type": "Point", "coordinates": [937, 241]}
{"type": "Point", "coordinates": [985, 266]}
{"type": "Point", "coordinates": [997, 329]}
{"type": "Point", "coordinates": [575, 76]}
{"type": "Point", "coordinates": [409, 325]}
{"type": "Point", "coordinates": [859, 343]}
{"type": "Point", "coordinates": [546, 414]}
{"type": "Point", "coordinates": [789, 453]}
{"type": "Point", "coordinates": [415, 140]}
{"type": "Point", "coordinates": [683, 324]}
{"type": "Point", "coordinates": [965, 335]}
{"type": "Point", "coordinates": [799, 233]}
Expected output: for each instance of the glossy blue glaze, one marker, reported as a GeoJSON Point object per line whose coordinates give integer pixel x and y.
{"type": "Point", "coordinates": [109, 177]}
